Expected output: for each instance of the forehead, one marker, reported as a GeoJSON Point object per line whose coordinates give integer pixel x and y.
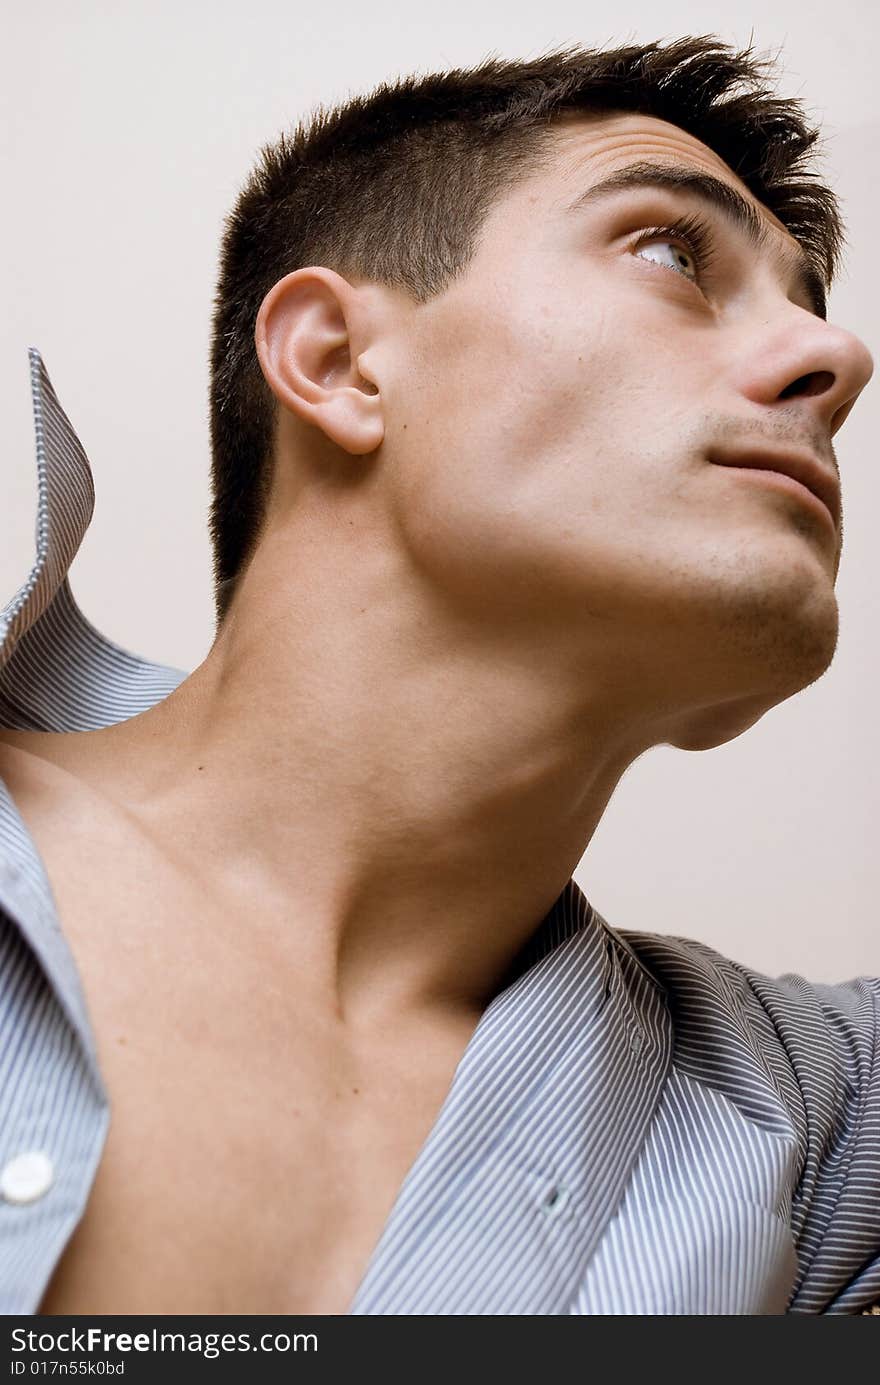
{"type": "Point", "coordinates": [591, 147]}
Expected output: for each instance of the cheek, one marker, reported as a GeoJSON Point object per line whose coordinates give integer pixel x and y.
{"type": "Point", "coordinates": [495, 509]}
{"type": "Point", "coordinates": [477, 464]}
{"type": "Point", "coordinates": [516, 482]}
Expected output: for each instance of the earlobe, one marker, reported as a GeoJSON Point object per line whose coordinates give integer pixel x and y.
{"type": "Point", "coordinates": [311, 331]}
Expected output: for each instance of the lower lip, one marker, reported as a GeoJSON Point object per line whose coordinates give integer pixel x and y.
{"type": "Point", "coordinates": [779, 481]}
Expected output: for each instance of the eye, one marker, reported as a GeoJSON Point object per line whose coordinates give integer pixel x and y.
{"type": "Point", "coordinates": [679, 257]}
{"type": "Point", "coordinates": [685, 246]}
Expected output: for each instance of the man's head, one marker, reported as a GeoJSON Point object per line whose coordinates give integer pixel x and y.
{"type": "Point", "coordinates": [430, 296]}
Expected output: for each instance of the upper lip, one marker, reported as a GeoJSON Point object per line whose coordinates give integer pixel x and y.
{"type": "Point", "coordinates": [800, 466]}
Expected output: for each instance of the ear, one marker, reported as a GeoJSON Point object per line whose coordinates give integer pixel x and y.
{"type": "Point", "coordinates": [311, 334]}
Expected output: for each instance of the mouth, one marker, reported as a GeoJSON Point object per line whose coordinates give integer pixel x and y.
{"type": "Point", "coordinates": [797, 473]}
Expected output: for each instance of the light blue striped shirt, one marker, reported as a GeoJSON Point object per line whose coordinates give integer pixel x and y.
{"type": "Point", "coordinates": [637, 1125]}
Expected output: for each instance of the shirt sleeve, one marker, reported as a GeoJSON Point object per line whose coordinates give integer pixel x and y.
{"type": "Point", "coordinates": [830, 1036]}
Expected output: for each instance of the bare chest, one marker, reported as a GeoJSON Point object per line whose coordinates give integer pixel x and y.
{"type": "Point", "coordinates": [251, 1162]}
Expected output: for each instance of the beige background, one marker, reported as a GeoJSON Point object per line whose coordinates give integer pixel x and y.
{"type": "Point", "coordinates": [127, 131]}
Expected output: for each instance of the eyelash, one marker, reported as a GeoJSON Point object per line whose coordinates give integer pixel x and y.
{"type": "Point", "coordinates": [695, 233]}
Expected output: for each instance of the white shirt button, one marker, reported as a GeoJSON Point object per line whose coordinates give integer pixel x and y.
{"type": "Point", "coordinates": [26, 1177]}
{"type": "Point", "coordinates": [636, 1041]}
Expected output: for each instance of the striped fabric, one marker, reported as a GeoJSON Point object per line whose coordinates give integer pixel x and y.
{"type": "Point", "coordinates": [637, 1126]}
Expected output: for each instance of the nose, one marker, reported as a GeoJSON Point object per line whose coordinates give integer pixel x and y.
{"type": "Point", "coordinates": [817, 361]}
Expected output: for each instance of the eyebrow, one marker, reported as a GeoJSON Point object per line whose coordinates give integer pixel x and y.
{"type": "Point", "coordinates": [722, 198]}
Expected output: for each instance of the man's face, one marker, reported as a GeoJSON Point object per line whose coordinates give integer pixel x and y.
{"type": "Point", "coordinates": [559, 408]}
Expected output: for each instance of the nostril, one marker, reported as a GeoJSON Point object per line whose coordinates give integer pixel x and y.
{"type": "Point", "coordinates": [817, 382]}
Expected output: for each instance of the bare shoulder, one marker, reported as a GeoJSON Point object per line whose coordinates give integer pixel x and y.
{"type": "Point", "coordinates": [19, 757]}
{"type": "Point", "coordinates": [37, 758]}
{"type": "Point", "coordinates": [48, 779]}
{"type": "Point", "coordinates": [30, 764]}
{"type": "Point", "coordinates": [43, 745]}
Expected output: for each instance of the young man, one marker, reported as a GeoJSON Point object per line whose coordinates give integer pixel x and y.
{"type": "Point", "coordinates": [523, 400]}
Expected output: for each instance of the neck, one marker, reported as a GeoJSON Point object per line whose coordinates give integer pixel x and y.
{"type": "Point", "coordinates": [408, 800]}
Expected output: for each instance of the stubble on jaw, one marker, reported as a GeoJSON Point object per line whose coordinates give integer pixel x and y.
{"type": "Point", "coordinates": [776, 651]}
{"type": "Point", "coordinates": [777, 633]}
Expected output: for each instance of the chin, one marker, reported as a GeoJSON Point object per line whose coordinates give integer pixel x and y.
{"type": "Point", "coordinates": [792, 655]}
{"type": "Point", "coordinates": [716, 726]}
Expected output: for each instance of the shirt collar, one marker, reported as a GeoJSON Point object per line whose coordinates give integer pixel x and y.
{"type": "Point", "coordinates": [59, 673]}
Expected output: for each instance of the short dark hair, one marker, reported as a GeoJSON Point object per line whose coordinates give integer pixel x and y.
{"type": "Point", "coordinates": [394, 187]}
